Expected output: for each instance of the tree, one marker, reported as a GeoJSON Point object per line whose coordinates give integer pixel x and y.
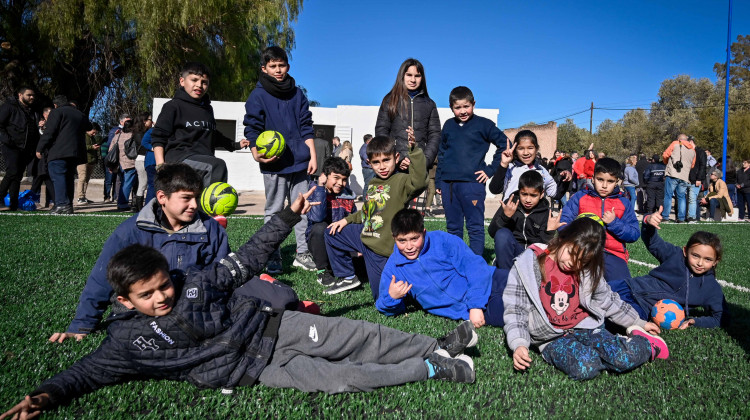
{"type": "Point", "coordinates": [571, 138]}
{"type": "Point", "coordinates": [114, 53]}
{"type": "Point", "coordinates": [739, 67]}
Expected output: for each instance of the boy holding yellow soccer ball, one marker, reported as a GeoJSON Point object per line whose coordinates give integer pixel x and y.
{"type": "Point", "coordinates": [277, 104]}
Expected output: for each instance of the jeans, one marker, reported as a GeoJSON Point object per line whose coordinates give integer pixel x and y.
{"type": "Point", "coordinates": [713, 204]}
{"type": "Point", "coordinates": [507, 248]}
{"type": "Point", "coordinates": [367, 175]}
{"type": "Point", "coordinates": [62, 172]}
{"type": "Point", "coordinates": [150, 175]}
{"type": "Point", "coordinates": [127, 177]}
{"type": "Point", "coordinates": [631, 193]}
{"type": "Point", "coordinates": [672, 185]}
{"type": "Point", "coordinates": [732, 189]}
{"type": "Point", "coordinates": [693, 191]}
{"type": "Point", "coordinates": [465, 201]}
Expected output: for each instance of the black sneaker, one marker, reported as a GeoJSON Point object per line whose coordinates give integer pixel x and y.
{"type": "Point", "coordinates": [273, 266]}
{"type": "Point", "coordinates": [458, 340]}
{"type": "Point", "coordinates": [342, 285]}
{"type": "Point", "coordinates": [460, 369]}
{"type": "Point", "coordinates": [325, 278]}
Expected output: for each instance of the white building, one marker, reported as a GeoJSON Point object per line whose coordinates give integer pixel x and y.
{"type": "Point", "coordinates": [348, 122]}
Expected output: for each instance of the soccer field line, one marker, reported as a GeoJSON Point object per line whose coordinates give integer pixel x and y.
{"type": "Point", "coordinates": [723, 283]}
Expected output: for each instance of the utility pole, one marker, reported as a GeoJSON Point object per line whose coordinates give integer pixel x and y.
{"type": "Point", "coordinates": [726, 94]}
{"type": "Point", "coordinates": [591, 119]}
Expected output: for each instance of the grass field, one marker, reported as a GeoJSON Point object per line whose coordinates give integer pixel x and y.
{"type": "Point", "coordinates": [45, 261]}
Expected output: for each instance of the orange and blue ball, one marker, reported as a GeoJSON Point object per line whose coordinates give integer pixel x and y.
{"type": "Point", "coordinates": [668, 314]}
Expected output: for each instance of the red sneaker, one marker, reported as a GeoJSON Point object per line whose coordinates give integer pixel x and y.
{"type": "Point", "coordinates": [309, 307]}
{"type": "Point", "coordinates": [659, 348]}
{"type": "Point", "coordinates": [222, 221]}
{"type": "Point", "coordinates": [267, 278]}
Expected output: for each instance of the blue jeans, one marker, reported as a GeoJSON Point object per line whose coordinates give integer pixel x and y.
{"type": "Point", "coordinates": [109, 178]}
{"type": "Point", "coordinates": [465, 201]}
{"type": "Point", "coordinates": [62, 172]}
{"type": "Point", "coordinates": [732, 190]}
{"type": "Point", "coordinates": [339, 248]}
{"type": "Point", "coordinates": [713, 204]}
{"type": "Point", "coordinates": [743, 199]}
{"type": "Point", "coordinates": [151, 176]}
{"type": "Point", "coordinates": [583, 354]}
{"type": "Point", "coordinates": [367, 175]}
{"type": "Point", "coordinates": [672, 185]}
{"type": "Point", "coordinates": [127, 176]}
{"type": "Point", "coordinates": [507, 248]}
{"type": "Point", "coordinates": [631, 193]}
{"type": "Point", "coordinates": [693, 191]}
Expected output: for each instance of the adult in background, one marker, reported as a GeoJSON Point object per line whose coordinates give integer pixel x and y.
{"type": "Point", "coordinates": [717, 198]}
{"type": "Point", "coordinates": [85, 169]}
{"type": "Point", "coordinates": [696, 177]}
{"type": "Point", "coordinates": [407, 108]}
{"type": "Point", "coordinates": [110, 179]}
{"type": "Point", "coordinates": [347, 153]}
{"type": "Point", "coordinates": [322, 151]}
{"type": "Point", "coordinates": [143, 123]}
{"type": "Point", "coordinates": [743, 190]}
{"type": "Point", "coordinates": [731, 179]}
{"type": "Point", "coordinates": [19, 136]}
{"type": "Point", "coordinates": [336, 147]}
{"type": "Point", "coordinates": [680, 159]}
{"type": "Point", "coordinates": [149, 163]}
{"type": "Point", "coordinates": [126, 173]}
{"type": "Point", "coordinates": [653, 177]}
{"type": "Point", "coordinates": [41, 175]}
{"type": "Point", "coordinates": [630, 181]}
{"type": "Point", "coordinates": [710, 160]}
{"type": "Point", "coordinates": [64, 141]}
{"type": "Point", "coordinates": [640, 168]}
{"type": "Point", "coordinates": [367, 172]}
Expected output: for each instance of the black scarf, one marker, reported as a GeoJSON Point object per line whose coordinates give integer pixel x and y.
{"type": "Point", "coordinates": [285, 89]}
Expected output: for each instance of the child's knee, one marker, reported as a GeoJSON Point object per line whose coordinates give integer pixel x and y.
{"type": "Point", "coordinates": [502, 237]}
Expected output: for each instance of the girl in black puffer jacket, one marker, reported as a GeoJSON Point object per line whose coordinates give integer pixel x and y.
{"type": "Point", "coordinates": [408, 106]}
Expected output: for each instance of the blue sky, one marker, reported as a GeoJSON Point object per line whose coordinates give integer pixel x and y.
{"type": "Point", "coordinates": [534, 60]}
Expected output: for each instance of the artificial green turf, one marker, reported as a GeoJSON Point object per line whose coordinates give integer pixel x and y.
{"type": "Point", "coordinates": [46, 260]}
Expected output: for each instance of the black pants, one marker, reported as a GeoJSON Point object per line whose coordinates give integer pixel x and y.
{"type": "Point", "coordinates": [16, 161]}
{"type": "Point", "coordinates": [316, 244]}
{"type": "Point", "coordinates": [655, 197]}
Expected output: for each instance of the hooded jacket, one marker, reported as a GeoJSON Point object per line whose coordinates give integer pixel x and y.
{"type": "Point", "coordinates": [528, 228]}
{"type": "Point", "coordinates": [421, 114]}
{"type": "Point", "coordinates": [212, 337]}
{"type": "Point", "coordinates": [65, 134]}
{"type": "Point", "coordinates": [527, 323]}
{"type": "Point", "coordinates": [622, 230]}
{"type": "Point", "coordinates": [332, 208]}
{"type": "Point", "coordinates": [290, 117]}
{"type": "Point", "coordinates": [186, 127]}
{"type": "Point", "coordinates": [672, 279]}
{"type": "Point", "coordinates": [19, 126]}
{"type": "Point", "coordinates": [196, 245]}
{"type": "Point", "coordinates": [447, 278]}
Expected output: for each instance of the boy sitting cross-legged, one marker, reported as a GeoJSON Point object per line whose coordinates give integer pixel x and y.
{"type": "Point", "coordinates": [369, 230]}
{"type": "Point", "coordinates": [525, 219]}
{"type": "Point", "coordinates": [607, 201]}
{"type": "Point", "coordinates": [205, 328]}
{"type": "Point", "coordinates": [442, 273]}
{"type": "Point", "coordinates": [336, 202]}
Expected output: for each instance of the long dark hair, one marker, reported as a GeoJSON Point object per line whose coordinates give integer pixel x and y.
{"type": "Point", "coordinates": [706, 238]}
{"type": "Point", "coordinates": [587, 237]}
{"type": "Point", "coordinates": [525, 134]}
{"type": "Point", "coordinates": [139, 126]}
{"type": "Point", "coordinates": [399, 93]}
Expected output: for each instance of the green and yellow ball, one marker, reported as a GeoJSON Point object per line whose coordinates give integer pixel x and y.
{"type": "Point", "coordinates": [219, 199]}
{"type": "Point", "coordinates": [591, 216]}
{"type": "Point", "coordinates": [270, 144]}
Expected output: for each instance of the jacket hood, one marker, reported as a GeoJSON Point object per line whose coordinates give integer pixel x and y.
{"type": "Point", "coordinates": [204, 101]}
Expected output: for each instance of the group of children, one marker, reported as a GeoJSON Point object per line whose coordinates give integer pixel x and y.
{"type": "Point", "coordinates": [187, 308]}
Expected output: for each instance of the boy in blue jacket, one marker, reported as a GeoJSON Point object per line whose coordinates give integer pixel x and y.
{"type": "Point", "coordinates": [462, 173]}
{"type": "Point", "coordinates": [170, 223]}
{"type": "Point", "coordinates": [205, 327]}
{"type": "Point", "coordinates": [336, 202]}
{"type": "Point", "coordinates": [278, 104]}
{"type": "Point", "coordinates": [685, 275]}
{"type": "Point", "coordinates": [441, 272]}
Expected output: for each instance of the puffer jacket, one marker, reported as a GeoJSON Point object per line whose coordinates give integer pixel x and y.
{"type": "Point", "coordinates": [624, 229]}
{"type": "Point", "coordinates": [422, 115]}
{"type": "Point", "coordinates": [19, 127]}
{"type": "Point", "coordinates": [212, 337]}
{"type": "Point", "coordinates": [526, 322]}
{"type": "Point", "coordinates": [196, 245]}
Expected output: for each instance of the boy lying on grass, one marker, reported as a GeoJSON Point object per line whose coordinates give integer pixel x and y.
{"type": "Point", "coordinates": [206, 328]}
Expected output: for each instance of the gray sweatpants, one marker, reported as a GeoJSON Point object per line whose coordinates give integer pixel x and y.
{"type": "Point", "coordinates": [282, 187]}
{"type": "Point", "coordinates": [316, 353]}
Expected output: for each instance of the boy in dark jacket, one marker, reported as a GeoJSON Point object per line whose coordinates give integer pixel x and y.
{"type": "Point", "coordinates": [462, 173]}
{"type": "Point", "coordinates": [605, 200]}
{"type": "Point", "coordinates": [204, 327]}
{"type": "Point", "coordinates": [336, 202]}
{"type": "Point", "coordinates": [441, 273]}
{"type": "Point", "coordinates": [186, 129]}
{"type": "Point", "coordinates": [170, 223]}
{"type": "Point", "coordinates": [516, 227]}
{"type": "Point", "coordinates": [278, 104]}
{"type": "Point", "coordinates": [653, 177]}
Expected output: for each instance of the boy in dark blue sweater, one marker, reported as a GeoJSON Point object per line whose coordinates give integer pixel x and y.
{"type": "Point", "coordinates": [461, 172]}
{"type": "Point", "coordinates": [278, 104]}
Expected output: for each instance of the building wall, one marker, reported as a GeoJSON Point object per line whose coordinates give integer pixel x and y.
{"type": "Point", "coordinates": [352, 123]}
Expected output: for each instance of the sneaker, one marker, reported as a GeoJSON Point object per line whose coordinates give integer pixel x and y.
{"type": "Point", "coordinates": [443, 367]}
{"type": "Point", "coordinates": [304, 261]}
{"type": "Point", "coordinates": [343, 284]}
{"type": "Point", "coordinates": [458, 340]}
{"type": "Point", "coordinates": [108, 199]}
{"type": "Point", "coordinates": [274, 267]}
{"type": "Point", "coordinates": [659, 349]}
{"type": "Point", "coordinates": [325, 278]}
{"type": "Point", "coordinates": [82, 201]}
{"type": "Point", "coordinates": [308, 307]}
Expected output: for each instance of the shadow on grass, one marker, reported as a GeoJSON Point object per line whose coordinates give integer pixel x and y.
{"type": "Point", "coordinates": [346, 309]}
{"type": "Point", "coordinates": [739, 325]}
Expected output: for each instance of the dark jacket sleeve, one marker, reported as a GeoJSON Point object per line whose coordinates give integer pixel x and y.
{"type": "Point", "coordinates": [50, 131]}
{"type": "Point", "coordinates": [499, 139]}
{"type": "Point", "coordinates": [433, 137]}
{"type": "Point", "coordinates": [383, 122]}
{"type": "Point", "coordinates": [5, 110]}
{"type": "Point", "coordinates": [499, 220]}
{"type": "Point", "coordinates": [306, 130]}
{"type": "Point", "coordinates": [497, 184]}
{"type": "Point", "coordinates": [318, 213]}
{"type": "Point", "coordinates": [164, 127]}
